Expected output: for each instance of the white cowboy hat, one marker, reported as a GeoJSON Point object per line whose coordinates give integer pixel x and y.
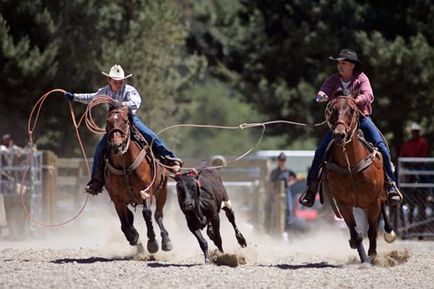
{"type": "Point", "coordinates": [415, 126]}
{"type": "Point", "coordinates": [218, 160]}
{"type": "Point", "coordinates": [116, 73]}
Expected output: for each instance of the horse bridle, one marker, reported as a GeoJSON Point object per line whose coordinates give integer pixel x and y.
{"type": "Point", "coordinates": [351, 128]}
{"type": "Point", "coordinates": [125, 144]}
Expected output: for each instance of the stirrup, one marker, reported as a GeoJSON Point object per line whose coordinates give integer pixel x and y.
{"type": "Point", "coordinates": [307, 198]}
{"type": "Point", "coordinates": [394, 196]}
{"type": "Point", "coordinates": [93, 187]}
{"type": "Point", "coordinates": [173, 164]}
{"type": "Point", "coordinates": [174, 168]}
{"type": "Point", "coordinates": [173, 161]}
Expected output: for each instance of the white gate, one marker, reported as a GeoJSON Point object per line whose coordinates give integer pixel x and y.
{"type": "Point", "coordinates": [415, 217]}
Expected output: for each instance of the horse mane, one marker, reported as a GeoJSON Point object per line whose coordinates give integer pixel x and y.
{"type": "Point", "coordinates": [117, 107]}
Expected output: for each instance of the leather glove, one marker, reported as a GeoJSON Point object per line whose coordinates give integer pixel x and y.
{"type": "Point", "coordinates": [321, 98]}
{"type": "Point", "coordinates": [69, 95]}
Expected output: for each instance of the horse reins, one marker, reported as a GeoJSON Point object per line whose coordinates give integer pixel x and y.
{"type": "Point", "coordinates": [353, 124]}
{"type": "Point", "coordinates": [353, 127]}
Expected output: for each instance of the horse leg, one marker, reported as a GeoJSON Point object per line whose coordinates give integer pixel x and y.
{"type": "Point", "coordinates": [202, 242]}
{"type": "Point", "coordinates": [127, 219]}
{"type": "Point", "coordinates": [231, 217]}
{"type": "Point", "coordinates": [152, 244]}
{"type": "Point", "coordinates": [166, 244]}
{"type": "Point", "coordinates": [356, 240]}
{"type": "Point", "coordinates": [373, 218]}
{"type": "Point", "coordinates": [214, 232]}
{"type": "Point", "coordinates": [389, 234]}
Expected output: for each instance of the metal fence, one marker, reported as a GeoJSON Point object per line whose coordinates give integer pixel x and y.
{"type": "Point", "coordinates": [415, 216]}
{"type": "Point", "coordinates": [21, 173]}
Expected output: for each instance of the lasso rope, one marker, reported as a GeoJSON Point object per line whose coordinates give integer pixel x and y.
{"type": "Point", "coordinates": [33, 118]}
{"type": "Point", "coordinates": [239, 127]}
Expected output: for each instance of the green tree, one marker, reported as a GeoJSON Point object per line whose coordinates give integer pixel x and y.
{"type": "Point", "coordinates": [214, 103]}
{"type": "Point", "coordinates": [28, 51]}
{"type": "Point", "coordinates": [66, 44]}
{"type": "Point", "coordinates": [276, 54]}
{"type": "Point", "coordinates": [402, 74]}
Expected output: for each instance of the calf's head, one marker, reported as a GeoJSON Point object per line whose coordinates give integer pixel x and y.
{"type": "Point", "coordinates": [188, 189]}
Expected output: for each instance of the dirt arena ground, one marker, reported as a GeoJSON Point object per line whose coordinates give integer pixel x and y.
{"type": "Point", "coordinates": [92, 252]}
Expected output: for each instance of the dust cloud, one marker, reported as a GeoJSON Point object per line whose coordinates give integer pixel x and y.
{"type": "Point", "coordinates": [98, 229]}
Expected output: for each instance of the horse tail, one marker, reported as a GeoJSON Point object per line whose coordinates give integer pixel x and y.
{"type": "Point", "coordinates": [389, 234]}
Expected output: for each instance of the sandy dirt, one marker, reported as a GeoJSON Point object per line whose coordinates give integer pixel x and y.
{"type": "Point", "coordinates": [92, 252]}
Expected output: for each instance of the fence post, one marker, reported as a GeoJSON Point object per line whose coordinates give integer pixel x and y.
{"type": "Point", "coordinates": [281, 207]}
{"type": "Point", "coordinates": [49, 185]}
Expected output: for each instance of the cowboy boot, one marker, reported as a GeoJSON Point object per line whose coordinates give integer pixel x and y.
{"type": "Point", "coordinates": [394, 195]}
{"type": "Point", "coordinates": [173, 162]}
{"type": "Point", "coordinates": [307, 198]}
{"type": "Point", "coordinates": [96, 183]}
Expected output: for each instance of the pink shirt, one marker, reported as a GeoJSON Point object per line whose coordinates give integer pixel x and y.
{"type": "Point", "coordinates": [359, 82]}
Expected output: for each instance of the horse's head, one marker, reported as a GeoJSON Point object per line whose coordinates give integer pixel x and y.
{"type": "Point", "coordinates": [118, 129]}
{"type": "Point", "coordinates": [188, 189]}
{"type": "Point", "coordinates": [342, 117]}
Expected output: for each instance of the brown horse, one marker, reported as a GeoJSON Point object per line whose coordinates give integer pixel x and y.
{"type": "Point", "coordinates": [133, 177]}
{"type": "Point", "coordinates": [354, 177]}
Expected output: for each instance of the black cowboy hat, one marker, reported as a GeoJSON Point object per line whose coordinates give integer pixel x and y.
{"type": "Point", "coordinates": [281, 157]}
{"type": "Point", "coordinates": [348, 55]}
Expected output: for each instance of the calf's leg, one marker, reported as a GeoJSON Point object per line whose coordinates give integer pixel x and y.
{"type": "Point", "coordinates": [231, 217]}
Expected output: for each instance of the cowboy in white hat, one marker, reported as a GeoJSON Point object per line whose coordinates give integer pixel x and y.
{"type": "Point", "coordinates": [417, 145]}
{"type": "Point", "coordinates": [126, 95]}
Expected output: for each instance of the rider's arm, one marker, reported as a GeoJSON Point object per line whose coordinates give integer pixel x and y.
{"type": "Point", "coordinates": [87, 97]}
{"type": "Point", "coordinates": [366, 96]}
{"type": "Point", "coordinates": [132, 98]}
{"type": "Point", "coordinates": [327, 88]}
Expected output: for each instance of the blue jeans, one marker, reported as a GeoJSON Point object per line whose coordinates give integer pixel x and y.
{"type": "Point", "coordinates": [158, 147]}
{"type": "Point", "coordinates": [372, 135]}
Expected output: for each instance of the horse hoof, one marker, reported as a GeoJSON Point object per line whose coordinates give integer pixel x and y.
{"type": "Point", "coordinates": [152, 246]}
{"type": "Point", "coordinates": [166, 246]}
{"type": "Point", "coordinates": [373, 258]}
{"type": "Point", "coordinates": [389, 237]}
{"type": "Point", "coordinates": [365, 265]}
{"type": "Point", "coordinates": [208, 261]}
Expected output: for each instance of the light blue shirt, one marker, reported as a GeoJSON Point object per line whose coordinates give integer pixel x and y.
{"type": "Point", "coordinates": [126, 94]}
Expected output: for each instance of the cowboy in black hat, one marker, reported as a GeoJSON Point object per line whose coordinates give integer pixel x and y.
{"type": "Point", "coordinates": [350, 79]}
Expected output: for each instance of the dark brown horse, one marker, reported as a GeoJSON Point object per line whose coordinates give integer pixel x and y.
{"type": "Point", "coordinates": [133, 177]}
{"type": "Point", "coordinates": [354, 177]}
